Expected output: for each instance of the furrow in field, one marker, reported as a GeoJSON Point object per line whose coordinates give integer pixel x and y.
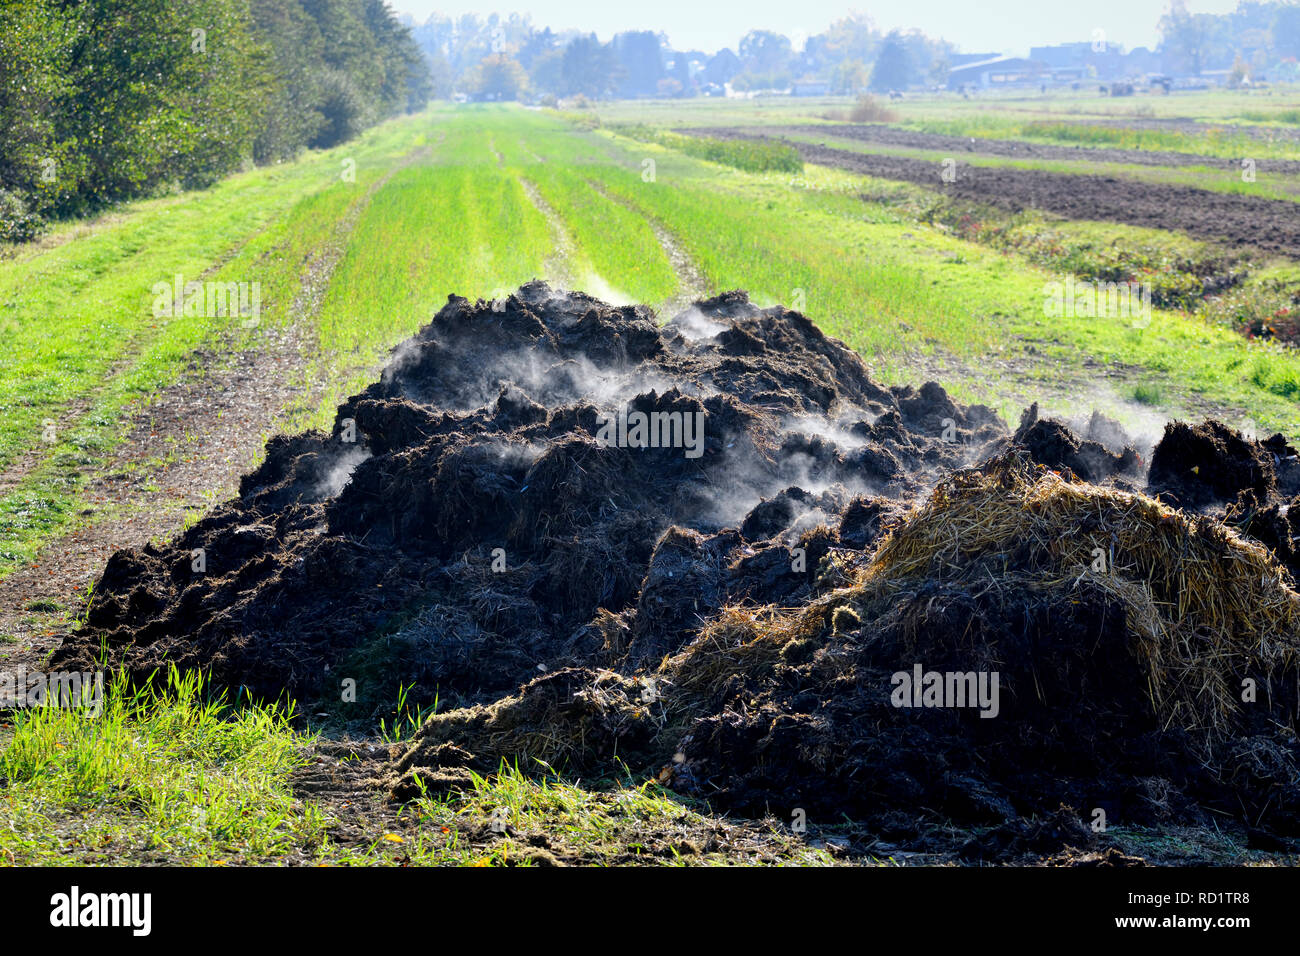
{"type": "Point", "coordinates": [561, 266]}
{"type": "Point", "coordinates": [691, 284]}
{"type": "Point", "coordinates": [74, 412]}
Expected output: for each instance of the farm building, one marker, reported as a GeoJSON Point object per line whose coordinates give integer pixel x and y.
{"type": "Point", "coordinates": [998, 71]}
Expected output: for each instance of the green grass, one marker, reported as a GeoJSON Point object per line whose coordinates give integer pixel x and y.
{"type": "Point", "coordinates": [754, 157]}
{"type": "Point", "coordinates": [176, 775]}
{"type": "Point", "coordinates": [170, 771]}
{"type": "Point", "coordinates": [1221, 140]}
{"type": "Point", "coordinates": [636, 265]}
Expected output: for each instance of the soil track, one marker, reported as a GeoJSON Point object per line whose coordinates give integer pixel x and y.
{"type": "Point", "coordinates": [1269, 224]}
{"type": "Point", "coordinates": [1021, 149]}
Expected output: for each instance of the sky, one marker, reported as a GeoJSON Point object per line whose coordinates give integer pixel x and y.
{"type": "Point", "coordinates": [976, 26]}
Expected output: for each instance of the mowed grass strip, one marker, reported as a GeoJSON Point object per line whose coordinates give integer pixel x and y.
{"type": "Point", "coordinates": [451, 225]}
{"type": "Point", "coordinates": [70, 312]}
{"type": "Point", "coordinates": [616, 244]}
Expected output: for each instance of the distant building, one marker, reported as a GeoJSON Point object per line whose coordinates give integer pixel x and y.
{"type": "Point", "coordinates": [997, 72]}
{"type": "Point", "coordinates": [1062, 55]}
{"type": "Point", "coordinates": [1070, 62]}
{"type": "Point", "coordinates": [961, 59]}
{"type": "Point", "coordinates": [810, 86]}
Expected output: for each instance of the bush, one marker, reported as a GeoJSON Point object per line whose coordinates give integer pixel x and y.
{"type": "Point", "coordinates": [17, 223]}
{"type": "Point", "coordinates": [342, 108]}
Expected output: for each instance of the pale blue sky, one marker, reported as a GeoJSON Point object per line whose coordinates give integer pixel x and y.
{"type": "Point", "coordinates": [975, 25]}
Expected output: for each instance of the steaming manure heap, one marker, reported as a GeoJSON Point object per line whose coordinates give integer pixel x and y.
{"type": "Point", "coordinates": [717, 553]}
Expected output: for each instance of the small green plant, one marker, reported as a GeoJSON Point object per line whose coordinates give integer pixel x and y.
{"type": "Point", "coordinates": [1148, 394]}
{"type": "Point", "coordinates": [17, 222]}
{"type": "Point", "coordinates": [405, 720]}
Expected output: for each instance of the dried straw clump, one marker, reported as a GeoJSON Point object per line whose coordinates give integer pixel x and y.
{"type": "Point", "coordinates": [1207, 607]}
{"type": "Point", "coordinates": [741, 640]}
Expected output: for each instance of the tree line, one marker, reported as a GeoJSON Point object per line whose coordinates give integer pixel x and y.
{"type": "Point", "coordinates": [105, 100]}
{"type": "Point", "coordinates": [1256, 37]}
{"type": "Point", "coordinates": [507, 57]}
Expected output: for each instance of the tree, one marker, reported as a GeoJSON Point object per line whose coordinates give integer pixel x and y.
{"type": "Point", "coordinates": [1183, 37]}
{"type": "Point", "coordinates": [722, 67]}
{"type": "Point", "coordinates": [764, 52]}
{"type": "Point", "coordinates": [1284, 31]}
{"type": "Point", "coordinates": [590, 68]}
{"type": "Point", "coordinates": [893, 68]}
{"type": "Point", "coordinates": [849, 38]}
{"type": "Point", "coordinates": [641, 56]}
{"type": "Point", "coordinates": [291, 117]}
{"type": "Point", "coordinates": [104, 100]}
{"type": "Point", "coordinates": [38, 163]}
{"type": "Point", "coordinates": [940, 67]}
{"type": "Point", "coordinates": [546, 73]}
{"type": "Point", "coordinates": [851, 76]}
{"type": "Point", "coordinates": [681, 72]}
{"type": "Point", "coordinates": [497, 77]}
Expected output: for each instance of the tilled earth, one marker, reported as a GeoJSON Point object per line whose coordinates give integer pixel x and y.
{"type": "Point", "coordinates": [1251, 221]}
{"type": "Point", "coordinates": [1017, 149]}
{"type": "Point", "coordinates": [709, 551]}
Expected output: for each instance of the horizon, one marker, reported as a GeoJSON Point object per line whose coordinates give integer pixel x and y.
{"type": "Point", "coordinates": [995, 26]}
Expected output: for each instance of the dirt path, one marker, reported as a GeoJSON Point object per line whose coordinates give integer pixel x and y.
{"type": "Point", "coordinates": [186, 449]}
{"type": "Point", "coordinates": [558, 267]}
{"type": "Point", "coordinates": [80, 406]}
{"type": "Point", "coordinates": [691, 284]}
{"type": "Point", "coordinates": [1269, 224]}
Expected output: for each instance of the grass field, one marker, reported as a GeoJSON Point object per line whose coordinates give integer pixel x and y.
{"type": "Point", "coordinates": [476, 200]}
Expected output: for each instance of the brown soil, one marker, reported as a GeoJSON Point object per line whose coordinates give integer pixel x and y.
{"type": "Point", "coordinates": [215, 416]}
{"type": "Point", "coordinates": [1021, 149]}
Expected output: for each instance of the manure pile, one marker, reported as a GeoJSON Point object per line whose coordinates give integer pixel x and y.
{"type": "Point", "coordinates": [717, 553]}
